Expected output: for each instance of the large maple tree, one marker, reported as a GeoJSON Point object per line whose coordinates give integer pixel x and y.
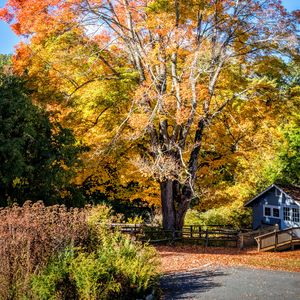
{"type": "Point", "coordinates": [193, 74]}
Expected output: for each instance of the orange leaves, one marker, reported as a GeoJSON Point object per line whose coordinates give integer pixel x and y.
{"type": "Point", "coordinates": [16, 28]}
{"type": "Point", "coordinates": [103, 38]}
{"type": "Point", "coordinates": [21, 58]}
{"type": "Point", "coordinates": [35, 17]}
{"type": "Point", "coordinates": [5, 15]}
{"type": "Point", "coordinates": [182, 115]}
{"type": "Point", "coordinates": [139, 122]}
{"type": "Point", "coordinates": [202, 91]}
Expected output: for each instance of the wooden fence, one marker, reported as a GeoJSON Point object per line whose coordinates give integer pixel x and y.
{"type": "Point", "coordinates": [213, 235]}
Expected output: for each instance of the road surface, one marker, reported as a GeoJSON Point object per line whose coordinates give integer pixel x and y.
{"type": "Point", "coordinates": [231, 284]}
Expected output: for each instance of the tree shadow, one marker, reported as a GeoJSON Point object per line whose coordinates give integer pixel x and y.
{"type": "Point", "coordinates": [181, 285]}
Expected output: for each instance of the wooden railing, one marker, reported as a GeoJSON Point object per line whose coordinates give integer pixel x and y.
{"type": "Point", "coordinates": [247, 237]}
{"type": "Point", "coordinates": [278, 240]}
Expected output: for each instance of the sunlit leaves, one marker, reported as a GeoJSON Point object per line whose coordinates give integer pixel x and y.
{"type": "Point", "coordinates": [192, 88]}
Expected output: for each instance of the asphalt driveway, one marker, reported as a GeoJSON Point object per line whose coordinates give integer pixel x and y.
{"type": "Point", "coordinates": [232, 284]}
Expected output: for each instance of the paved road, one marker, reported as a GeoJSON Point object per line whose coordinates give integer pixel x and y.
{"type": "Point", "coordinates": [231, 284]}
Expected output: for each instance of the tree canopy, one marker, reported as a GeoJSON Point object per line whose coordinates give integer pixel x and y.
{"type": "Point", "coordinates": [189, 91]}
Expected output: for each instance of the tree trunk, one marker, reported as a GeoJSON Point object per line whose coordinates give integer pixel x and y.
{"type": "Point", "coordinates": [175, 201]}
{"type": "Point", "coordinates": [168, 207]}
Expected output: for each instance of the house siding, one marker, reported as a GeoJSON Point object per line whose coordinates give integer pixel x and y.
{"type": "Point", "coordinates": [274, 197]}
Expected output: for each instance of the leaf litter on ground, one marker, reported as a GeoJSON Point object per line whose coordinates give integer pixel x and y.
{"type": "Point", "coordinates": [183, 258]}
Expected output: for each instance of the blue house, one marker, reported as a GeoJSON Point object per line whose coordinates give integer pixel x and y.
{"type": "Point", "coordinates": [276, 205]}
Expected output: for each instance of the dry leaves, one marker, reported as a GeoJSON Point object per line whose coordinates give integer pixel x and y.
{"type": "Point", "coordinates": [182, 258]}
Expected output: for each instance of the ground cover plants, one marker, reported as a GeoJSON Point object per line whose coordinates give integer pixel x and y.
{"type": "Point", "coordinates": [59, 253]}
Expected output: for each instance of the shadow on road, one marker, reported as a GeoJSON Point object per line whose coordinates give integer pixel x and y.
{"type": "Point", "coordinates": [181, 285]}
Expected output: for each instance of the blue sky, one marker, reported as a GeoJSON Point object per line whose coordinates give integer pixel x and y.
{"type": "Point", "coordinates": [8, 39]}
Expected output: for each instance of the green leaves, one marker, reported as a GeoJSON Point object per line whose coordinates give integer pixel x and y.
{"type": "Point", "coordinates": [289, 156]}
{"type": "Point", "coordinates": [5, 60]}
{"type": "Point", "coordinates": [37, 157]}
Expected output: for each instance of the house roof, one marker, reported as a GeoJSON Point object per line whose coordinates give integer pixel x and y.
{"type": "Point", "coordinates": [289, 190]}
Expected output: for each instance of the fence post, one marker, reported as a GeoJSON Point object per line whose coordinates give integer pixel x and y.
{"type": "Point", "coordinates": [206, 237]}
{"type": "Point", "coordinates": [191, 233]}
{"type": "Point", "coordinates": [241, 236]}
{"type": "Point", "coordinates": [291, 239]}
{"type": "Point", "coordinates": [276, 240]}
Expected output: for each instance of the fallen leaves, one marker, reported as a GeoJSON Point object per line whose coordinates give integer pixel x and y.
{"type": "Point", "coordinates": [181, 258]}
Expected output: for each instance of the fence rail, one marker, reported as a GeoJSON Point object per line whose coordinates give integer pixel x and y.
{"type": "Point", "coordinates": [208, 235]}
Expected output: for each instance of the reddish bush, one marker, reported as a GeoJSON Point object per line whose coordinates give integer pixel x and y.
{"type": "Point", "coordinates": [29, 236]}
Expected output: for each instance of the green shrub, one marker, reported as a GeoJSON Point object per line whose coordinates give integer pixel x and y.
{"type": "Point", "coordinates": [111, 266]}
{"type": "Point", "coordinates": [193, 217]}
{"type": "Point", "coordinates": [234, 216]}
{"type": "Point", "coordinates": [55, 282]}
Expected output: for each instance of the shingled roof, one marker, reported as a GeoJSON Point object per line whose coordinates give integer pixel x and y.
{"type": "Point", "coordinates": [292, 191]}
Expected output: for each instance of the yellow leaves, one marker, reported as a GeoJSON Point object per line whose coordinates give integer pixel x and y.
{"type": "Point", "coordinates": [202, 91]}
{"type": "Point", "coordinates": [19, 181]}
{"type": "Point", "coordinates": [150, 193]}
{"type": "Point", "coordinates": [95, 70]}
{"type": "Point", "coordinates": [263, 83]}
{"type": "Point", "coordinates": [159, 6]}
{"type": "Point", "coordinates": [160, 25]}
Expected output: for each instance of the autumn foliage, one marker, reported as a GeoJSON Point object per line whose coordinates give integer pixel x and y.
{"type": "Point", "coordinates": [185, 93]}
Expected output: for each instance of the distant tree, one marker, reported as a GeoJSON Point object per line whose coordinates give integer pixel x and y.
{"type": "Point", "coordinates": [289, 157]}
{"type": "Point", "coordinates": [289, 148]}
{"type": "Point", "coordinates": [37, 157]}
{"type": "Point", "coordinates": [5, 60]}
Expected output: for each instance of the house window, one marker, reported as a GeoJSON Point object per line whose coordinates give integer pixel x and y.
{"type": "Point", "coordinates": [291, 214]}
{"type": "Point", "coordinates": [267, 211]}
{"type": "Point", "coordinates": [286, 214]}
{"type": "Point", "coordinates": [275, 212]}
{"type": "Point", "coordinates": [271, 211]}
{"type": "Point", "coordinates": [295, 214]}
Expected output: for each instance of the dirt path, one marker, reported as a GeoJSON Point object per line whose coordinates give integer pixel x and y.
{"type": "Point", "coordinates": [231, 283]}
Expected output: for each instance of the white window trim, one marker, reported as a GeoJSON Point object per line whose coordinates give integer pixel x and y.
{"type": "Point", "coordinates": [271, 207]}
